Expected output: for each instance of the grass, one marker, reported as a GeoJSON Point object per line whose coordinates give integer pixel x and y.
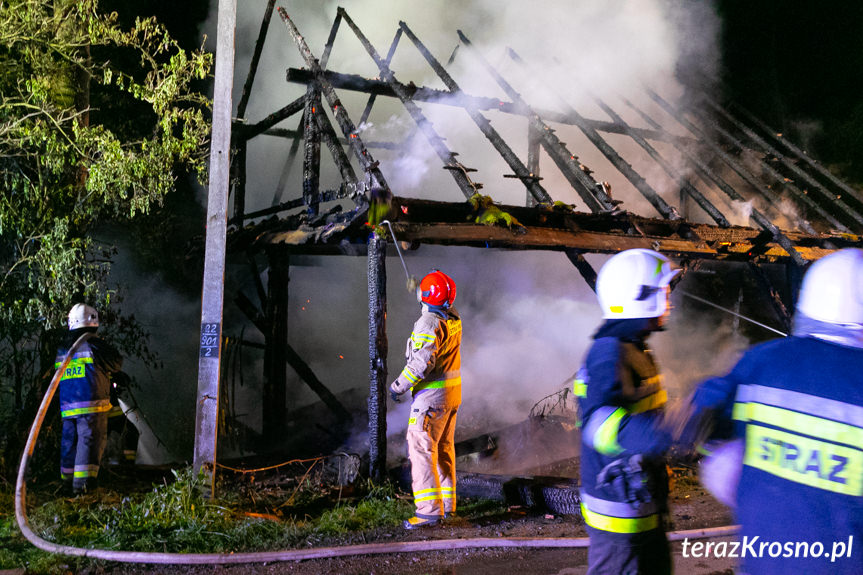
{"type": "Point", "coordinates": [175, 517]}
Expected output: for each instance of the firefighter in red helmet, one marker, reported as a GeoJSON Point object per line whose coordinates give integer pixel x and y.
{"type": "Point", "coordinates": [432, 374]}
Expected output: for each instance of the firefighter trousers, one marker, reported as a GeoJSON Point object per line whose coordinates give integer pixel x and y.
{"type": "Point", "coordinates": [432, 454]}
{"type": "Point", "coordinates": [81, 447]}
{"type": "Point", "coordinates": [645, 553]}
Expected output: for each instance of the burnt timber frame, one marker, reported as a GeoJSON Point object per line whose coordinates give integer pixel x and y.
{"type": "Point", "coordinates": [831, 218]}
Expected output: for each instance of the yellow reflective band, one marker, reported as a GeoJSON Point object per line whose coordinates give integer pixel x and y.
{"type": "Point", "coordinates": [440, 384]}
{"type": "Point", "coordinates": [412, 420]}
{"type": "Point", "coordinates": [811, 462]}
{"type": "Point", "coordinates": [652, 401]}
{"type": "Point", "coordinates": [85, 410]}
{"type": "Point", "coordinates": [427, 498]}
{"type": "Point", "coordinates": [76, 368]}
{"type": "Point", "coordinates": [422, 336]}
{"type": "Point", "coordinates": [619, 524]}
{"type": "Point", "coordinates": [409, 376]}
{"type": "Point", "coordinates": [424, 491]}
{"type": "Point", "coordinates": [616, 309]}
{"type": "Point", "coordinates": [605, 437]}
{"type": "Point", "coordinates": [800, 423]}
{"type": "Point", "coordinates": [579, 388]}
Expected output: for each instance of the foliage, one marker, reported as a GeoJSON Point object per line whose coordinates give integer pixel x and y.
{"type": "Point", "coordinates": [94, 119]}
{"type": "Point", "coordinates": [175, 517]}
{"type": "Point", "coordinates": [485, 212]}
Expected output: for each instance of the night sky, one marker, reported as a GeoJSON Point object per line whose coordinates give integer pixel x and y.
{"type": "Point", "coordinates": [793, 62]}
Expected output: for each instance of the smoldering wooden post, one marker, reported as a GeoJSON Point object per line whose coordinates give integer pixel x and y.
{"type": "Point", "coordinates": [275, 362]}
{"type": "Point", "coordinates": [377, 402]}
{"type": "Point", "coordinates": [312, 151]}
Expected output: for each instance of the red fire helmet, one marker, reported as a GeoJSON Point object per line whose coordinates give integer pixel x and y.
{"type": "Point", "coordinates": [437, 289]}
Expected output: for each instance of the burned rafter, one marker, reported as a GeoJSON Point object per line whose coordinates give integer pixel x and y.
{"type": "Point", "coordinates": [256, 58]}
{"type": "Point", "coordinates": [801, 155]}
{"type": "Point", "coordinates": [434, 139]}
{"type": "Point", "coordinates": [567, 162]}
{"type": "Point", "coordinates": [766, 148]}
{"type": "Point", "coordinates": [521, 171]}
{"type": "Point", "coordinates": [612, 156]}
{"type": "Point", "coordinates": [760, 219]}
{"type": "Point", "coordinates": [769, 194]}
{"type": "Point", "coordinates": [685, 186]}
{"type": "Point", "coordinates": [372, 97]}
{"type": "Point", "coordinates": [347, 126]}
{"type": "Point", "coordinates": [357, 83]}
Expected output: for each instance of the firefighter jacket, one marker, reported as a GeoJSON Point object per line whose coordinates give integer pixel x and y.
{"type": "Point", "coordinates": [85, 385]}
{"type": "Point", "coordinates": [798, 404]}
{"type": "Point", "coordinates": [624, 481]}
{"type": "Point", "coordinates": [433, 359]}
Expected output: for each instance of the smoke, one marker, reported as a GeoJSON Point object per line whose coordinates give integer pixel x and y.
{"type": "Point", "coordinates": [528, 316]}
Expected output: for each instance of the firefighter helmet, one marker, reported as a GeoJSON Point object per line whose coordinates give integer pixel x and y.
{"type": "Point", "coordinates": [436, 289]}
{"type": "Point", "coordinates": [632, 284]}
{"type": "Point", "coordinates": [832, 289]}
{"type": "Point", "coordinates": [82, 315]}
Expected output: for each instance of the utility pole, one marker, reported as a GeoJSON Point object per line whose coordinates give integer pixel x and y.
{"type": "Point", "coordinates": [212, 296]}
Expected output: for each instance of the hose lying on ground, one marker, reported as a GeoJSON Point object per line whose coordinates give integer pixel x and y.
{"type": "Point", "coordinates": [288, 554]}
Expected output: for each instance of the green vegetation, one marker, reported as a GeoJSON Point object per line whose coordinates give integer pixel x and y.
{"type": "Point", "coordinates": [175, 517]}
{"type": "Point", "coordinates": [96, 118]}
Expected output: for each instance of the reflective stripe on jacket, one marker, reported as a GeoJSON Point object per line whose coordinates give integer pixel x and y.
{"type": "Point", "coordinates": [433, 358]}
{"type": "Point", "coordinates": [621, 400]}
{"type": "Point", "coordinates": [798, 404]}
{"type": "Point", "coordinates": [85, 384]}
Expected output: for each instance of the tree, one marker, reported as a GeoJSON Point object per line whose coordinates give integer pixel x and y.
{"type": "Point", "coordinates": [94, 118]}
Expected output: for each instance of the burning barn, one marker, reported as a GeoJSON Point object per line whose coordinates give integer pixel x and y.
{"type": "Point", "coordinates": [666, 167]}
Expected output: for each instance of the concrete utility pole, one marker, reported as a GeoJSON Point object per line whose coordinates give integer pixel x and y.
{"type": "Point", "coordinates": [212, 297]}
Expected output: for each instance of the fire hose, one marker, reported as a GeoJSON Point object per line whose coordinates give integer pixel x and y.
{"type": "Point", "coordinates": [411, 280]}
{"type": "Point", "coordinates": [284, 555]}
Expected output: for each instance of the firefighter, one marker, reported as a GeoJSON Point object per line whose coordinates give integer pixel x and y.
{"type": "Point", "coordinates": [432, 374]}
{"type": "Point", "coordinates": [795, 406]}
{"type": "Point", "coordinates": [624, 480]}
{"type": "Point", "coordinates": [85, 400]}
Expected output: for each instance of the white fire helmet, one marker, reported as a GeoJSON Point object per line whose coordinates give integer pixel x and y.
{"type": "Point", "coordinates": [719, 471]}
{"type": "Point", "coordinates": [82, 315]}
{"type": "Point", "coordinates": [632, 284]}
{"type": "Point", "coordinates": [832, 289]}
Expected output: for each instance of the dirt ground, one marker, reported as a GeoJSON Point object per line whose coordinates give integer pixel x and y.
{"type": "Point", "coordinates": [691, 508]}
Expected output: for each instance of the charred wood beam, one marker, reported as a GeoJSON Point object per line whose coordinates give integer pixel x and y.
{"type": "Point", "coordinates": [289, 164]}
{"type": "Point", "coordinates": [799, 154]}
{"type": "Point", "coordinates": [590, 191]}
{"type": "Point", "coordinates": [583, 266]}
{"type": "Point", "coordinates": [760, 219]}
{"type": "Point", "coordinates": [532, 158]}
{"type": "Point", "coordinates": [343, 191]}
{"type": "Point", "coordinates": [256, 277]}
{"type": "Point", "coordinates": [612, 156]}
{"type": "Point", "coordinates": [738, 168]}
{"type": "Point", "coordinates": [293, 359]}
{"type": "Point", "coordinates": [378, 348]}
{"type": "Point", "coordinates": [249, 131]}
{"type": "Point", "coordinates": [778, 179]}
{"type": "Point", "coordinates": [425, 221]}
{"type": "Point", "coordinates": [685, 186]}
{"type": "Point", "coordinates": [345, 123]}
{"type": "Point", "coordinates": [780, 309]}
{"type": "Point", "coordinates": [356, 83]}
{"type": "Point", "coordinates": [766, 148]}
{"type": "Point", "coordinates": [372, 97]}
{"type": "Point", "coordinates": [298, 135]}
{"type": "Point", "coordinates": [521, 171]}
{"type": "Point", "coordinates": [256, 58]}
{"type": "Point", "coordinates": [311, 151]}
{"type": "Point", "coordinates": [349, 177]}
{"type": "Point", "coordinates": [239, 180]}
{"type": "Point", "coordinates": [447, 157]}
